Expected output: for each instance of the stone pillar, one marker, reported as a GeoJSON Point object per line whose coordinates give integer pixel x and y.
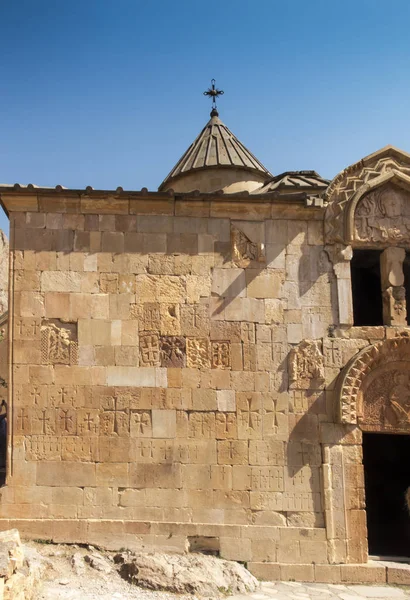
{"type": "Point", "coordinates": [394, 294]}
{"type": "Point", "coordinates": [341, 256]}
{"type": "Point", "coordinates": [343, 481]}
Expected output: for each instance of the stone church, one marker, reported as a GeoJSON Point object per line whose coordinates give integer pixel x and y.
{"type": "Point", "coordinates": [222, 365]}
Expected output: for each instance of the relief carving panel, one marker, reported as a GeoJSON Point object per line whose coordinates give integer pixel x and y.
{"type": "Point", "coordinates": [244, 251]}
{"type": "Point", "coordinates": [306, 365]}
{"type": "Point", "coordinates": [374, 388]}
{"type": "Point", "coordinates": [59, 342]}
{"type": "Point", "coordinates": [383, 215]}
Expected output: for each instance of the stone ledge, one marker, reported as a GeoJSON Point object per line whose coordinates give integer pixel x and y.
{"type": "Point", "coordinates": [370, 573]}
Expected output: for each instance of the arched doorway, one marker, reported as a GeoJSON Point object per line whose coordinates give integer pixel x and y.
{"type": "Point", "coordinates": [375, 395]}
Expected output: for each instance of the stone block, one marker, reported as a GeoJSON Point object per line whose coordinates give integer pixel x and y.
{"type": "Point", "coordinates": [164, 423]}
{"type": "Point", "coordinates": [155, 476]}
{"type": "Point", "coordinates": [60, 281]}
{"type": "Point", "coordinates": [66, 474]}
{"type": "Point", "coordinates": [135, 376]}
{"type": "Point", "coordinates": [226, 400]}
{"type": "Point", "coordinates": [265, 571]}
{"type": "Point", "coordinates": [235, 549]}
{"type": "Point", "coordinates": [367, 573]}
{"type": "Point", "coordinates": [297, 572]}
{"type": "Point", "coordinates": [229, 283]}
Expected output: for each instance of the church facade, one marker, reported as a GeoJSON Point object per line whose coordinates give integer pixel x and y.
{"type": "Point", "coordinates": [221, 365]}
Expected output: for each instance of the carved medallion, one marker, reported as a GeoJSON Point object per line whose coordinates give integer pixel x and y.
{"type": "Point", "coordinates": [59, 343]}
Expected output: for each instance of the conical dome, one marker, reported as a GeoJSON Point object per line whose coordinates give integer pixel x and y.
{"type": "Point", "coordinates": [216, 160]}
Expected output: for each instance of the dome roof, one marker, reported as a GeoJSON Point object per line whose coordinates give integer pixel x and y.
{"type": "Point", "coordinates": [216, 147]}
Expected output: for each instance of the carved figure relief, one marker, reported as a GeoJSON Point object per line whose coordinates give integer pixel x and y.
{"type": "Point", "coordinates": [244, 250]}
{"type": "Point", "coordinates": [383, 216]}
{"type": "Point", "coordinates": [59, 343]}
{"type": "Point", "coordinates": [375, 387]}
{"type": "Point", "coordinates": [172, 351]}
{"type": "Point", "coordinates": [306, 364]}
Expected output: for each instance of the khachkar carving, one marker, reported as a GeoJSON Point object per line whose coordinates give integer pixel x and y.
{"type": "Point", "coordinates": [387, 164]}
{"type": "Point", "coordinates": [59, 342]}
{"type": "Point", "coordinates": [244, 251]}
{"type": "Point", "coordinates": [306, 365]}
{"type": "Point", "coordinates": [374, 388]}
{"type": "Point", "coordinates": [383, 216]}
{"type": "Point", "coordinates": [149, 350]}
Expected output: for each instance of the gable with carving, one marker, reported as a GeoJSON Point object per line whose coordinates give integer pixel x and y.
{"type": "Point", "coordinates": [356, 181]}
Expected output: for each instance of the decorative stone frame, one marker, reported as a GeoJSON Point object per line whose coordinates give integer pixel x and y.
{"type": "Point", "coordinates": [343, 471]}
{"type": "Point", "coordinates": [392, 353]}
{"type": "Point", "coordinates": [341, 236]}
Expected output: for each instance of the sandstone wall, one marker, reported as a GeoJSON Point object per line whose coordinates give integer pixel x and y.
{"type": "Point", "coordinates": [170, 374]}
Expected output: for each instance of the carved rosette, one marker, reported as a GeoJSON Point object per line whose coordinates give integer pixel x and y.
{"type": "Point", "coordinates": [374, 388]}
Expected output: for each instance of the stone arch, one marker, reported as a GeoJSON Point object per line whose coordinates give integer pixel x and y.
{"type": "Point", "coordinates": [351, 184]}
{"type": "Point", "coordinates": [374, 387]}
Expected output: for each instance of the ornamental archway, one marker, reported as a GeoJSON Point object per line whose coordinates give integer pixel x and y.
{"type": "Point", "coordinates": [374, 396]}
{"type": "Point", "coordinates": [374, 388]}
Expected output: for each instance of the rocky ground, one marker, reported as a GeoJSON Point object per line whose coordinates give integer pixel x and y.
{"type": "Point", "coordinates": [85, 573]}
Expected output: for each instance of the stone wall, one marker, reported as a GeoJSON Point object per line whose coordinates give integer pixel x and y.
{"type": "Point", "coordinates": [173, 377]}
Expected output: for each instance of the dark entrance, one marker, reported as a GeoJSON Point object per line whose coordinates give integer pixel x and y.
{"type": "Point", "coordinates": [386, 460]}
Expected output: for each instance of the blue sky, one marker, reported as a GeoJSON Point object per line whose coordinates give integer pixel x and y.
{"type": "Point", "coordinates": [109, 92]}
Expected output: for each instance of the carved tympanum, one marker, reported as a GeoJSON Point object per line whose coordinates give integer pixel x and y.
{"type": "Point", "coordinates": [383, 216]}
{"type": "Point", "coordinates": [375, 387]}
{"type": "Point", "coordinates": [59, 342]}
{"type": "Point", "coordinates": [387, 165]}
{"type": "Point", "coordinates": [306, 365]}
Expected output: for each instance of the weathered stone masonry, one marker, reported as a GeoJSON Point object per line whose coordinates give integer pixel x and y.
{"type": "Point", "coordinates": [186, 365]}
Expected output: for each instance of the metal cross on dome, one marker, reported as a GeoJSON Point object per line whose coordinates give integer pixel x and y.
{"type": "Point", "coordinates": [213, 93]}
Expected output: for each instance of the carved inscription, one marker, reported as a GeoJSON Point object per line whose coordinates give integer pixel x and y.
{"type": "Point", "coordinates": [383, 216]}
{"type": "Point", "coordinates": [59, 343]}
